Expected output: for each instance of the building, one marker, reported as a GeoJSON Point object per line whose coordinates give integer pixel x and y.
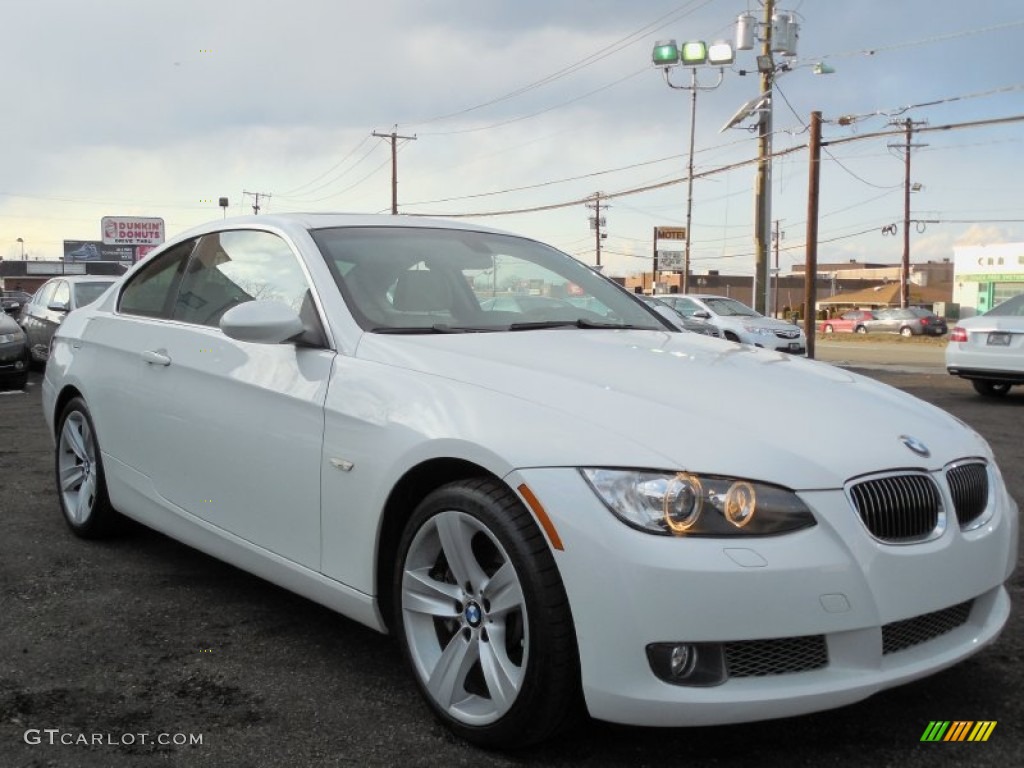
{"type": "Point", "coordinates": [28, 276]}
{"type": "Point", "coordinates": [986, 275]}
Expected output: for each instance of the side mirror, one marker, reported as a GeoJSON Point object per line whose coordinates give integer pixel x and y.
{"type": "Point", "coordinates": [59, 306]}
{"type": "Point", "coordinates": [703, 314]}
{"type": "Point", "coordinates": [262, 322]}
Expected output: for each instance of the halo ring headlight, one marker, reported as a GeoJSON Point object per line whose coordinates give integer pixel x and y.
{"type": "Point", "coordinates": [740, 503]}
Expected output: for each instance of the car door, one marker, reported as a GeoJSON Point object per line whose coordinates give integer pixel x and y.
{"type": "Point", "coordinates": [229, 432]}
{"type": "Point", "coordinates": [236, 428]}
{"type": "Point", "coordinates": [885, 321]}
{"type": "Point", "coordinates": [51, 317]}
{"type": "Point", "coordinates": [34, 320]}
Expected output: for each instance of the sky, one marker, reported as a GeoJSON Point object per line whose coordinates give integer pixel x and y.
{"type": "Point", "coordinates": [132, 108]}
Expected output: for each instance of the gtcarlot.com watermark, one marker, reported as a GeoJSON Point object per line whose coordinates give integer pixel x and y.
{"type": "Point", "coordinates": [56, 736]}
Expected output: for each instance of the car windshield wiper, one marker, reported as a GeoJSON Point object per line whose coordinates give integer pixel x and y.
{"type": "Point", "coordinates": [436, 328]}
{"type": "Point", "coordinates": [578, 323]}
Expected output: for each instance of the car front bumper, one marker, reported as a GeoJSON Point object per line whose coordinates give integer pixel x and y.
{"type": "Point", "coordinates": [628, 589]}
{"type": "Point", "coordinates": [13, 359]}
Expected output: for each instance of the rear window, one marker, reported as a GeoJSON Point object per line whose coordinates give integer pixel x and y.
{"type": "Point", "coordinates": [87, 293]}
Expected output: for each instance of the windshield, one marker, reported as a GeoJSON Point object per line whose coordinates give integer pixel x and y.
{"type": "Point", "coordinates": [87, 293]}
{"type": "Point", "coordinates": [405, 279]}
{"type": "Point", "coordinates": [730, 308]}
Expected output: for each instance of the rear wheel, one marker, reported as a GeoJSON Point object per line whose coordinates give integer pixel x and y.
{"type": "Point", "coordinates": [991, 388]}
{"type": "Point", "coordinates": [18, 382]}
{"type": "Point", "coordinates": [81, 484]}
{"type": "Point", "coordinates": [861, 329]}
{"type": "Point", "coordinates": [906, 332]}
{"type": "Point", "coordinates": [483, 617]}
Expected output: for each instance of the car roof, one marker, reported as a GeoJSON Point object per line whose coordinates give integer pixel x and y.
{"type": "Point", "coordinates": [313, 221]}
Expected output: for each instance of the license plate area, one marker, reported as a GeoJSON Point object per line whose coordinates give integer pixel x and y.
{"type": "Point", "coordinates": [794, 345]}
{"type": "Point", "coordinates": [999, 339]}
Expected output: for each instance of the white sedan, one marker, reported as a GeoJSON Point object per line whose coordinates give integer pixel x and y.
{"type": "Point", "coordinates": [989, 349]}
{"type": "Point", "coordinates": [326, 402]}
{"type": "Point", "coordinates": [738, 322]}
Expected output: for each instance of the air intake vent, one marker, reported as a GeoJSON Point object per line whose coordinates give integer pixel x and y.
{"type": "Point", "coordinates": [900, 635]}
{"type": "Point", "coordinates": [759, 658]}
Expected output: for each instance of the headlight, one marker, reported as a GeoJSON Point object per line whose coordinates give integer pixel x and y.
{"type": "Point", "coordinates": [758, 330]}
{"type": "Point", "coordinates": [686, 504]}
{"type": "Point", "coordinates": [7, 338]}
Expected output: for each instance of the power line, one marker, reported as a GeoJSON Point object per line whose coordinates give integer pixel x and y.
{"type": "Point", "coordinates": [915, 43]}
{"type": "Point", "coordinates": [331, 169]}
{"type": "Point", "coordinates": [602, 53]}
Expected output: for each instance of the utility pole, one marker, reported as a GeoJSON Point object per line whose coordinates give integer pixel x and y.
{"type": "Point", "coordinates": [256, 200]}
{"type": "Point", "coordinates": [596, 222]}
{"type": "Point", "coordinates": [908, 127]}
{"type": "Point", "coordinates": [811, 266]}
{"type": "Point", "coordinates": [393, 137]}
{"type": "Point", "coordinates": [763, 188]}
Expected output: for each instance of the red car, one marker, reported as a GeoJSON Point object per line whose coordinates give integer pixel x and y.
{"type": "Point", "coordinates": [848, 322]}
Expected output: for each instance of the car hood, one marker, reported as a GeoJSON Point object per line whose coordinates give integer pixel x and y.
{"type": "Point", "coordinates": [698, 403]}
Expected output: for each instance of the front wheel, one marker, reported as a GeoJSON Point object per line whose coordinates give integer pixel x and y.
{"type": "Point", "coordinates": [991, 388]}
{"type": "Point", "coordinates": [861, 329]}
{"type": "Point", "coordinates": [828, 328]}
{"type": "Point", "coordinates": [483, 617]}
{"type": "Point", "coordinates": [81, 484]}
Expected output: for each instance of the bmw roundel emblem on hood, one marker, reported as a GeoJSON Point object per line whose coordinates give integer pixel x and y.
{"type": "Point", "coordinates": [915, 445]}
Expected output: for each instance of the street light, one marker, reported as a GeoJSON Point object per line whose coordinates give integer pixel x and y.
{"type": "Point", "coordinates": [22, 244]}
{"type": "Point", "coordinates": [694, 53]}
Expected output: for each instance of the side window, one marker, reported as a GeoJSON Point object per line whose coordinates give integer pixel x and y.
{"type": "Point", "coordinates": [230, 268]}
{"type": "Point", "coordinates": [62, 294]}
{"type": "Point", "coordinates": [687, 306]}
{"type": "Point", "coordinates": [151, 291]}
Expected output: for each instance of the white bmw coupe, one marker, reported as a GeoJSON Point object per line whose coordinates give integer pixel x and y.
{"type": "Point", "coordinates": [334, 403]}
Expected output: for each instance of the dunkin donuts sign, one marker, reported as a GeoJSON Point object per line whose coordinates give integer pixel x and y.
{"type": "Point", "coordinates": [132, 230]}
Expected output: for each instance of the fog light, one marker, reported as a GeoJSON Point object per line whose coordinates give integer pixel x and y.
{"type": "Point", "coordinates": [19, 365]}
{"type": "Point", "coordinates": [683, 660]}
{"type": "Point", "coordinates": [696, 664]}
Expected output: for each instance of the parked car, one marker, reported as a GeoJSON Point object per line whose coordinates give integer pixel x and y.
{"type": "Point", "coordinates": [13, 354]}
{"type": "Point", "coordinates": [988, 350]}
{"type": "Point", "coordinates": [322, 400]}
{"type": "Point", "coordinates": [912, 321]}
{"type": "Point", "coordinates": [12, 301]}
{"type": "Point", "coordinates": [738, 322]}
{"type": "Point", "coordinates": [678, 319]}
{"type": "Point", "coordinates": [47, 309]}
{"type": "Point", "coordinates": [853, 321]}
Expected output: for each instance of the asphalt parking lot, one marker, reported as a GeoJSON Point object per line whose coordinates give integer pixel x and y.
{"type": "Point", "coordinates": [140, 640]}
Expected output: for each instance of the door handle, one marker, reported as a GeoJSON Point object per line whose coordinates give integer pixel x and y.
{"type": "Point", "coordinates": [156, 357]}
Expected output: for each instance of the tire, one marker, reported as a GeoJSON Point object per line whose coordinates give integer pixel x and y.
{"type": "Point", "coordinates": [16, 382]}
{"type": "Point", "coordinates": [861, 329]}
{"type": "Point", "coordinates": [906, 332]}
{"type": "Point", "coordinates": [987, 388]}
{"type": "Point", "coordinates": [829, 328]}
{"type": "Point", "coordinates": [731, 336]}
{"type": "Point", "coordinates": [78, 469]}
{"type": "Point", "coordinates": [500, 675]}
